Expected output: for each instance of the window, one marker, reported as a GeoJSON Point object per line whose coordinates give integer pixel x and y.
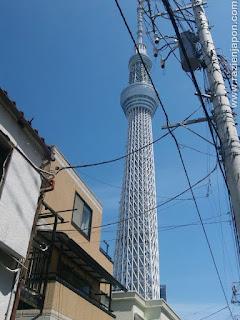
{"type": "Point", "coordinates": [67, 274]}
{"type": "Point", "coordinates": [163, 292]}
{"type": "Point", "coordinates": [82, 216]}
{"type": "Point", "coordinates": [5, 152]}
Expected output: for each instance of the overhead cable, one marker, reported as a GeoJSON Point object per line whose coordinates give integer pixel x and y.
{"type": "Point", "coordinates": [214, 313]}
{"type": "Point", "coordinates": [169, 10]}
{"type": "Point", "coordinates": [94, 164]}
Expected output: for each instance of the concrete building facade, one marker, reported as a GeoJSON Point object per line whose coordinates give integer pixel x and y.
{"type": "Point", "coordinates": [131, 306]}
{"type": "Point", "coordinates": [69, 276]}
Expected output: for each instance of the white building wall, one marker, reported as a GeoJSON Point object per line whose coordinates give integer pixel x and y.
{"type": "Point", "coordinates": [164, 317]}
{"type": "Point", "coordinates": [18, 135]}
{"type": "Point", "coordinates": [138, 311]}
{"type": "Point", "coordinates": [18, 203]}
{"type": "Point", "coordinates": [126, 304]}
{"type": "Point", "coordinates": [20, 191]}
{"type": "Point", "coordinates": [6, 285]}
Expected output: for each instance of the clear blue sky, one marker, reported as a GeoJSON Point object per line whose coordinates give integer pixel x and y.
{"type": "Point", "coordinates": [65, 64]}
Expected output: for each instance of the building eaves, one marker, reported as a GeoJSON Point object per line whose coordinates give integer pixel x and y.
{"type": "Point", "coordinates": [81, 257]}
{"type": "Point", "coordinates": [12, 108]}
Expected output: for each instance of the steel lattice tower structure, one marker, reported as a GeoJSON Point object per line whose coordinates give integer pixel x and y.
{"type": "Point", "coordinates": [136, 253]}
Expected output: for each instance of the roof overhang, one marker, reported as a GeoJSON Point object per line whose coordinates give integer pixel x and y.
{"type": "Point", "coordinates": [73, 251]}
{"type": "Point", "coordinates": [11, 107]}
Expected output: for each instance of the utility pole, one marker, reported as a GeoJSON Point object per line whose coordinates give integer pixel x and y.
{"type": "Point", "coordinates": [223, 116]}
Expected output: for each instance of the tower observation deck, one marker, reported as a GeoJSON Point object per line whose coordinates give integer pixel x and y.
{"type": "Point", "coordinates": [136, 253]}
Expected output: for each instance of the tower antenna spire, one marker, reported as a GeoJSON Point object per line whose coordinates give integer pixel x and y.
{"type": "Point", "coordinates": [140, 22]}
{"type": "Point", "coordinates": [140, 28]}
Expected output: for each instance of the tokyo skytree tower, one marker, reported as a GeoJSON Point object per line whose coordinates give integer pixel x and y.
{"type": "Point", "coordinates": [136, 253]}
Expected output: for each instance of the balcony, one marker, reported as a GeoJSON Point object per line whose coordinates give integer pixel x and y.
{"type": "Point", "coordinates": [62, 262]}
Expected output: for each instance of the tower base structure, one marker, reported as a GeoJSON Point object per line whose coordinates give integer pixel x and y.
{"type": "Point", "coordinates": [131, 306]}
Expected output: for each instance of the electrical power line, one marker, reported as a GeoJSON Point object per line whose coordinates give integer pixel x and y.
{"type": "Point", "coordinates": [156, 207]}
{"type": "Point", "coordinates": [170, 132]}
{"type": "Point", "coordinates": [214, 313]}
{"type": "Point", "coordinates": [164, 38]}
{"type": "Point", "coordinates": [95, 164]}
{"type": "Point", "coordinates": [223, 174]}
{"type": "Point", "coordinates": [100, 181]}
{"type": "Point", "coordinates": [196, 150]}
{"type": "Point", "coordinates": [163, 228]}
{"type": "Point", "coordinates": [109, 161]}
{"type": "Point", "coordinates": [171, 15]}
{"type": "Point", "coordinates": [170, 199]}
{"type": "Point", "coordinates": [183, 15]}
{"type": "Point", "coordinates": [194, 80]}
{"type": "Point", "coordinates": [197, 134]}
{"type": "Point", "coordinates": [169, 10]}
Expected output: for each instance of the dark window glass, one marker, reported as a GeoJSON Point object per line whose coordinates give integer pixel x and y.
{"type": "Point", "coordinates": [67, 274]}
{"type": "Point", "coordinates": [5, 151]}
{"type": "Point", "coordinates": [82, 216]}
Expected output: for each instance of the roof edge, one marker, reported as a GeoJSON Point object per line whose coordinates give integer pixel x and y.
{"type": "Point", "coordinates": [11, 107]}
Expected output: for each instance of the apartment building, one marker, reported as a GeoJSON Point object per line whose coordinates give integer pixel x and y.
{"type": "Point", "coordinates": [69, 276]}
